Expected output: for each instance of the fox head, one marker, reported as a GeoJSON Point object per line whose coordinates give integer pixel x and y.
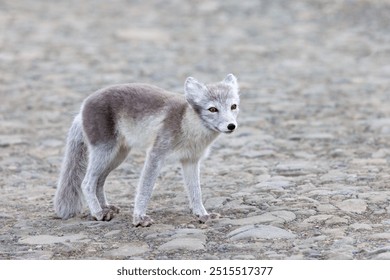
{"type": "Point", "coordinates": [217, 105]}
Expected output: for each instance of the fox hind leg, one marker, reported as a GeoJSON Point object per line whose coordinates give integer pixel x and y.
{"type": "Point", "coordinates": [102, 160]}
{"type": "Point", "coordinates": [119, 157]}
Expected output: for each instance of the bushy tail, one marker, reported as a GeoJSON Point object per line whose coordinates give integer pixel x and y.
{"type": "Point", "coordinates": [68, 198]}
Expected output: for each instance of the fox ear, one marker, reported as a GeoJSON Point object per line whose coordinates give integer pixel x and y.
{"type": "Point", "coordinates": [231, 80]}
{"type": "Point", "coordinates": [194, 90]}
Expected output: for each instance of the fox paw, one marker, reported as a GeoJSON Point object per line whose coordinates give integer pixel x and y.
{"type": "Point", "coordinates": [107, 214]}
{"type": "Point", "coordinates": [143, 221]}
{"type": "Point", "coordinates": [204, 218]}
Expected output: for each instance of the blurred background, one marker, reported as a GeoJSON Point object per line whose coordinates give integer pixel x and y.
{"type": "Point", "coordinates": [293, 58]}
{"type": "Point", "coordinates": [78, 46]}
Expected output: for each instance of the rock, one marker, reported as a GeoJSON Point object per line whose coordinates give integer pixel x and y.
{"type": "Point", "coordinates": [335, 220]}
{"type": "Point", "coordinates": [112, 233]}
{"type": "Point", "coordinates": [369, 161]}
{"type": "Point", "coordinates": [382, 235]}
{"type": "Point", "coordinates": [50, 239]}
{"type": "Point", "coordinates": [339, 255]}
{"type": "Point", "coordinates": [9, 140]}
{"type": "Point", "coordinates": [286, 216]}
{"type": "Point", "coordinates": [244, 257]}
{"type": "Point", "coordinates": [190, 233]}
{"type": "Point", "coordinates": [272, 217]}
{"type": "Point", "coordinates": [358, 226]}
{"type": "Point", "coordinates": [333, 176]}
{"type": "Point", "coordinates": [317, 218]}
{"type": "Point", "coordinates": [383, 256]}
{"type": "Point", "coordinates": [189, 244]}
{"type": "Point", "coordinates": [215, 202]}
{"type": "Point", "coordinates": [326, 208]}
{"type": "Point", "coordinates": [261, 219]}
{"type": "Point", "coordinates": [378, 124]}
{"type": "Point", "coordinates": [353, 205]}
{"type": "Point", "coordinates": [379, 251]}
{"type": "Point", "coordinates": [274, 185]}
{"type": "Point", "coordinates": [143, 34]}
{"type": "Point", "coordinates": [261, 232]}
{"type": "Point", "coordinates": [318, 136]}
{"type": "Point", "coordinates": [38, 255]}
{"type": "Point", "coordinates": [128, 250]}
{"type": "Point", "coordinates": [295, 169]}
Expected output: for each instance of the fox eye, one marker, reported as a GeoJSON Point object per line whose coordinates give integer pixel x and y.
{"type": "Point", "coordinates": [213, 109]}
{"type": "Point", "coordinates": [234, 107]}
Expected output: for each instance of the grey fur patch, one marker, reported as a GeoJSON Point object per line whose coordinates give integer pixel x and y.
{"type": "Point", "coordinates": [102, 109]}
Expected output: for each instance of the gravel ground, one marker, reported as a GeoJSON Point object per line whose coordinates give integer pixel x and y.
{"type": "Point", "coordinates": [304, 177]}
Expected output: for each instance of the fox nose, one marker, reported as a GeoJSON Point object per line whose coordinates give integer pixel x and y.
{"type": "Point", "coordinates": [231, 126]}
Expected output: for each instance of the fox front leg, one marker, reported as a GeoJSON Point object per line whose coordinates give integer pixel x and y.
{"type": "Point", "coordinates": [149, 176]}
{"type": "Point", "coordinates": [192, 183]}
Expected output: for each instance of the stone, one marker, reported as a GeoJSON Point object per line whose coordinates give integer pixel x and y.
{"type": "Point", "coordinates": [9, 140]}
{"type": "Point", "coordinates": [318, 218]}
{"type": "Point", "coordinates": [215, 202]}
{"type": "Point", "coordinates": [275, 184]}
{"type": "Point", "coordinates": [383, 256]}
{"type": "Point", "coordinates": [286, 216]}
{"type": "Point", "coordinates": [353, 205]}
{"type": "Point", "coordinates": [128, 250]}
{"type": "Point", "coordinates": [244, 257]}
{"type": "Point", "coordinates": [143, 34]}
{"type": "Point", "coordinates": [339, 255]}
{"type": "Point", "coordinates": [188, 244]}
{"type": "Point", "coordinates": [334, 176]}
{"type": "Point", "coordinates": [335, 220]}
{"type": "Point", "coordinates": [369, 161]}
{"type": "Point", "coordinates": [260, 219]}
{"type": "Point", "coordinates": [190, 233]}
{"type": "Point", "coordinates": [260, 232]}
{"type": "Point", "coordinates": [358, 226]}
{"type": "Point", "coordinates": [382, 235]}
{"type": "Point", "coordinates": [50, 239]}
{"type": "Point", "coordinates": [326, 208]}
{"type": "Point", "coordinates": [295, 168]}
{"type": "Point", "coordinates": [113, 233]}
{"type": "Point", "coordinates": [318, 136]}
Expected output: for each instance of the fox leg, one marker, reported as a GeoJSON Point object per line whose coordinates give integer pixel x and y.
{"type": "Point", "coordinates": [148, 178]}
{"type": "Point", "coordinates": [192, 183]}
{"type": "Point", "coordinates": [101, 196]}
{"type": "Point", "coordinates": [100, 160]}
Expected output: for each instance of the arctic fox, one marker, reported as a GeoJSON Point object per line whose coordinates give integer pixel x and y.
{"type": "Point", "coordinates": [118, 118]}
